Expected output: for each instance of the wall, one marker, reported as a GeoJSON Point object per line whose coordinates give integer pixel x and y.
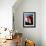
{"type": "Point", "coordinates": [6, 16]}
{"type": "Point", "coordinates": [43, 22]}
{"type": "Point", "coordinates": [35, 34]}
{"type": "Point", "coordinates": [6, 13]}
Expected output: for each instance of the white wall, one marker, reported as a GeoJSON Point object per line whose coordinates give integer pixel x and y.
{"type": "Point", "coordinates": [6, 13]}
{"type": "Point", "coordinates": [35, 34]}
{"type": "Point", "coordinates": [43, 22]}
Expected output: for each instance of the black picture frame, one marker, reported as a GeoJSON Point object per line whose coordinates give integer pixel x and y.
{"type": "Point", "coordinates": [29, 19]}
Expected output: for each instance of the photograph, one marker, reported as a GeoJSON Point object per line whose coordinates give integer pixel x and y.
{"type": "Point", "coordinates": [29, 19]}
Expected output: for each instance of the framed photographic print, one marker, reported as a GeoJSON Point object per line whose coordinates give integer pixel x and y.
{"type": "Point", "coordinates": [29, 19]}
